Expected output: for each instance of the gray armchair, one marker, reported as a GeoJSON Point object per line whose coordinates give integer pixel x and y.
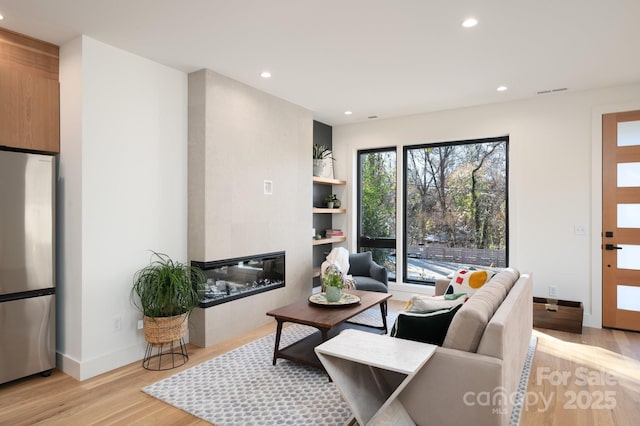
{"type": "Point", "coordinates": [368, 275]}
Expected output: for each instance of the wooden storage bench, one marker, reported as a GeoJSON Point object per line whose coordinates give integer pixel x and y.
{"type": "Point", "coordinates": [562, 315]}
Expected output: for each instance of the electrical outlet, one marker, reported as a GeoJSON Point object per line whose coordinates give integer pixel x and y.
{"type": "Point", "coordinates": [140, 324]}
{"type": "Point", "coordinates": [579, 229]}
{"type": "Point", "coordinates": [117, 323]}
{"type": "Point", "coordinates": [553, 291]}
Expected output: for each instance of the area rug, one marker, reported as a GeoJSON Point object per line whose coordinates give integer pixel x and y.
{"type": "Point", "coordinates": [521, 392]}
{"type": "Point", "coordinates": [242, 387]}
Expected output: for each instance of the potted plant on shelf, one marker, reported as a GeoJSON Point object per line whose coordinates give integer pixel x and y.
{"type": "Point", "coordinates": [166, 291]}
{"type": "Point", "coordinates": [331, 200]}
{"type": "Point", "coordinates": [320, 154]}
{"type": "Point", "coordinates": [332, 283]}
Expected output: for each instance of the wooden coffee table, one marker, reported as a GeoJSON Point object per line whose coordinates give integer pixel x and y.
{"type": "Point", "coordinates": [329, 321]}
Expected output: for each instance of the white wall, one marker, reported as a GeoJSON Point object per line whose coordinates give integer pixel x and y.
{"type": "Point", "coordinates": [553, 178]}
{"type": "Point", "coordinates": [123, 192]}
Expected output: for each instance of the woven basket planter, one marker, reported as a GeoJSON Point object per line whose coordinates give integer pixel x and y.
{"type": "Point", "coordinates": [162, 330]}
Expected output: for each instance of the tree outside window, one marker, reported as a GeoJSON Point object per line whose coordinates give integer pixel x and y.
{"type": "Point", "coordinates": [455, 207]}
{"type": "Point", "coordinates": [377, 206]}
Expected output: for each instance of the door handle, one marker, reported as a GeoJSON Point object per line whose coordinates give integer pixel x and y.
{"type": "Point", "coordinates": [611, 247]}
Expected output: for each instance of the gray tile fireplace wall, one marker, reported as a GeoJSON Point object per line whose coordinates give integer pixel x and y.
{"type": "Point", "coordinates": [240, 137]}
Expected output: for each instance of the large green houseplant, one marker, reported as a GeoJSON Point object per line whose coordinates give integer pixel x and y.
{"type": "Point", "coordinates": [166, 291]}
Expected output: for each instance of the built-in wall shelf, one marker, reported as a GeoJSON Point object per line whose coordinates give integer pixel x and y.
{"type": "Point", "coordinates": [330, 211]}
{"type": "Point", "coordinates": [328, 181]}
{"type": "Point", "coordinates": [329, 240]}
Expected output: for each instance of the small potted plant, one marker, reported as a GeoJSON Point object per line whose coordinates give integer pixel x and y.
{"type": "Point", "coordinates": [332, 283]}
{"type": "Point", "coordinates": [166, 292]}
{"type": "Point", "coordinates": [330, 201]}
{"type": "Point", "coordinates": [320, 153]}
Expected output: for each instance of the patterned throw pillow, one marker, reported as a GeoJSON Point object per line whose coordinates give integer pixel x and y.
{"type": "Point", "coordinates": [468, 281]}
{"type": "Point", "coordinates": [423, 304]}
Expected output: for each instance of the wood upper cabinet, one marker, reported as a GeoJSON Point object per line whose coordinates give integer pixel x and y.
{"type": "Point", "coordinates": [29, 93]}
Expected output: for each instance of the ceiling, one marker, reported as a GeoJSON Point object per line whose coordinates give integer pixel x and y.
{"type": "Point", "coordinates": [379, 58]}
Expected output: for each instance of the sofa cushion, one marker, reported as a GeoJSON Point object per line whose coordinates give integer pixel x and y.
{"type": "Point", "coordinates": [369, 284]}
{"type": "Point", "coordinates": [468, 281]}
{"type": "Point", "coordinates": [468, 325]}
{"type": "Point", "coordinates": [506, 278]}
{"type": "Point", "coordinates": [427, 328]}
{"type": "Point", "coordinates": [424, 304]}
{"type": "Point", "coordinates": [359, 263]}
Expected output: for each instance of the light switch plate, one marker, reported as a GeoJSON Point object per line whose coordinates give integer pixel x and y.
{"type": "Point", "coordinates": [268, 187]}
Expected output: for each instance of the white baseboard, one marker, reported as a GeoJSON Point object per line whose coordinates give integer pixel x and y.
{"type": "Point", "coordinates": [83, 370]}
{"type": "Point", "coordinates": [68, 365]}
{"type": "Point", "coordinates": [592, 321]}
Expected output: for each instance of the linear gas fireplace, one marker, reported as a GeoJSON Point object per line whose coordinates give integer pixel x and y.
{"type": "Point", "coordinates": [232, 279]}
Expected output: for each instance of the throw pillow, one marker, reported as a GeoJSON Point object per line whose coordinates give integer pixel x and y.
{"type": "Point", "coordinates": [468, 281]}
{"type": "Point", "coordinates": [424, 304]}
{"type": "Point", "coordinates": [427, 328]}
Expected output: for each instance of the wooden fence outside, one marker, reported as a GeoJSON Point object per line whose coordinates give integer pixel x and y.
{"type": "Point", "coordinates": [484, 257]}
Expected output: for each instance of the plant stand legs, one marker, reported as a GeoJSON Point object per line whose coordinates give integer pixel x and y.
{"type": "Point", "coordinates": [167, 355]}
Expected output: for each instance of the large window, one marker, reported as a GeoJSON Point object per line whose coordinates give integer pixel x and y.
{"type": "Point", "coordinates": [377, 206]}
{"type": "Point", "coordinates": [455, 207]}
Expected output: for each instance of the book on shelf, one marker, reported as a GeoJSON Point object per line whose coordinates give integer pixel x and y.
{"type": "Point", "coordinates": [334, 233]}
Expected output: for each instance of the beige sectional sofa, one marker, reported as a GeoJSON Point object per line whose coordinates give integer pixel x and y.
{"type": "Point", "coordinates": [473, 377]}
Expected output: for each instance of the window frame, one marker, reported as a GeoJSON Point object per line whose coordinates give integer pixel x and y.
{"type": "Point", "coordinates": [376, 242]}
{"type": "Point", "coordinates": [405, 150]}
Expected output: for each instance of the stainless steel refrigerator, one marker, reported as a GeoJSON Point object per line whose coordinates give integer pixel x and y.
{"type": "Point", "coordinates": [27, 273]}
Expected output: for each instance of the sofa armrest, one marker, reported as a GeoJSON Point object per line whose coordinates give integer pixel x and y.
{"type": "Point", "coordinates": [379, 273]}
{"type": "Point", "coordinates": [441, 286]}
{"type": "Point", "coordinates": [448, 390]}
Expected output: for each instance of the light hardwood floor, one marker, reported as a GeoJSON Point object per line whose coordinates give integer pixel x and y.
{"type": "Point", "coordinates": [609, 360]}
{"type": "Point", "coordinates": [591, 378]}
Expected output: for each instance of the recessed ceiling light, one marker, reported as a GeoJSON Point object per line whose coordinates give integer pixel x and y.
{"type": "Point", "coordinates": [348, 113]}
{"type": "Point", "coordinates": [470, 22]}
{"type": "Point", "coordinates": [501, 88]}
{"type": "Point", "coordinates": [1, 17]}
{"type": "Point", "coordinates": [265, 74]}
